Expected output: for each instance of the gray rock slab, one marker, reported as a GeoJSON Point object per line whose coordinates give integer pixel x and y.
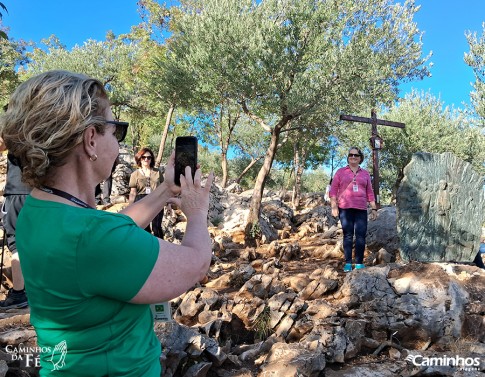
{"type": "Point", "coordinates": [440, 209]}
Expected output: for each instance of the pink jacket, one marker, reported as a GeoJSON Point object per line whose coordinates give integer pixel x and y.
{"type": "Point", "coordinates": [342, 188]}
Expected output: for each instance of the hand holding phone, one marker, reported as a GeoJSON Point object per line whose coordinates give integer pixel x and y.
{"type": "Point", "coordinates": [185, 155]}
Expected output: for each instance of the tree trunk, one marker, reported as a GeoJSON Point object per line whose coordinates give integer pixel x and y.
{"type": "Point", "coordinates": [299, 168]}
{"type": "Point", "coordinates": [164, 135]}
{"type": "Point", "coordinates": [253, 229]}
{"type": "Point", "coordinates": [400, 176]}
{"type": "Point", "coordinates": [295, 196]}
{"type": "Point", "coordinates": [246, 169]}
{"type": "Point", "coordinates": [224, 169]}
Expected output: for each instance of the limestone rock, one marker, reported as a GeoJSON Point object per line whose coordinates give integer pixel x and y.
{"type": "Point", "coordinates": [292, 360]}
{"type": "Point", "coordinates": [382, 232]}
{"type": "Point", "coordinates": [3, 368]}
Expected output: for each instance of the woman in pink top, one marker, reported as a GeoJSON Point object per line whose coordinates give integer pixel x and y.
{"type": "Point", "coordinates": [350, 192]}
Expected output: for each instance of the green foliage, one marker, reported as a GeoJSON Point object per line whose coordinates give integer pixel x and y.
{"type": "Point", "coordinates": [216, 220]}
{"type": "Point", "coordinates": [12, 55]}
{"type": "Point", "coordinates": [279, 179]}
{"type": "Point", "coordinates": [286, 61]}
{"type": "Point", "coordinates": [3, 35]}
{"type": "Point", "coordinates": [315, 181]}
{"type": "Point", "coordinates": [236, 167]}
{"type": "Point", "coordinates": [209, 161]}
{"type": "Point", "coordinates": [429, 128]}
{"type": "Point", "coordinates": [255, 231]}
{"type": "Point", "coordinates": [262, 324]}
{"type": "Point", "coordinates": [476, 59]}
{"type": "Point", "coordinates": [239, 72]}
{"type": "Point", "coordinates": [115, 63]}
{"type": "Point", "coordinates": [236, 279]}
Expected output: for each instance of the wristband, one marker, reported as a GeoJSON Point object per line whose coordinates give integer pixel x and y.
{"type": "Point", "coordinates": [374, 209]}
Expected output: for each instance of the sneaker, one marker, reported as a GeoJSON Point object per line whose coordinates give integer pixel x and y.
{"type": "Point", "coordinates": [348, 267]}
{"type": "Point", "coordinates": [359, 266]}
{"type": "Point", "coordinates": [14, 300]}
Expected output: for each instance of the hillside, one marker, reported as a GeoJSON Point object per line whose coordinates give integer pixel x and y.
{"type": "Point", "coordinates": [286, 308]}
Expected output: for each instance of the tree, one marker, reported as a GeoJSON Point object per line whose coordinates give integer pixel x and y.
{"type": "Point", "coordinates": [111, 61]}
{"type": "Point", "coordinates": [249, 147]}
{"type": "Point", "coordinates": [282, 59]}
{"type": "Point", "coordinates": [305, 149]}
{"type": "Point", "coordinates": [476, 59]}
{"type": "Point", "coordinates": [163, 77]}
{"type": "Point", "coordinates": [12, 55]}
{"type": "Point", "coordinates": [2, 33]}
{"type": "Point", "coordinates": [219, 130]}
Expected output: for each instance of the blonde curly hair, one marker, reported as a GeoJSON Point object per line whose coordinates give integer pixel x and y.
{"type": "Point", "coordinates": [46, 118]}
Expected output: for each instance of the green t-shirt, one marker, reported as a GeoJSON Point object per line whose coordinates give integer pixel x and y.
{"type": "Point", "coordinates": [81, 267]}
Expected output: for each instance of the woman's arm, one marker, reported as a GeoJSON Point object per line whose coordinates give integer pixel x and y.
{"type": "Point", "coordinates": [132, 197]}
{"type": "Point", "coordinates": [144, 210]}
{"type": "Point", "coordinates": [334, 188]}
{"type": "Point", "coordinates": [179, 267]}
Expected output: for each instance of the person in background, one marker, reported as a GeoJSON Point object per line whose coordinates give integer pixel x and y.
{"type": "Point", "coordinates": [103, 189]}
{"type": "Point", "coordinates": [92, 274]}
{"type": "Point", "coordinates": [144, 180]}
{"type": "Point", "coordinates": [15, 193]}
{"type": "Point", "coordinates": [350, 192]}
{"type": "Point", "coordinates": [478, 258]}
{"type": "Point", "coordinates": [326, 197]}
{"type": "Point", "coordinates": [103, 192]}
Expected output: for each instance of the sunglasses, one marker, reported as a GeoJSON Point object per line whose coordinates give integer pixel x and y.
{"type": "Point", "coordinates": [354, 155]}
{"type": "Point", "coordinates": [121, 129]}
{"type": "Point", "coordinates": [146, 157]}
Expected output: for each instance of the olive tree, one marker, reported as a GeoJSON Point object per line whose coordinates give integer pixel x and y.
{"type": "Point", "coordinates": [283, 59]}
{"type": "Point", "coordinates": [112, 61]}
{"type": "Point", "coordinates": [476, 59]}
{"type": "Point", "coordinates": [12, 55]}
{"type": "Point", "coordinates": [2, 33]}
{"type": "Point", "coordinates": [432, 128]}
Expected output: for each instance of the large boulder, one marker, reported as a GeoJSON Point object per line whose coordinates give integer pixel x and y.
{"type": "Point", "coordinates": [440, 209]}
{"type": "Point", "coordinates": [382, 232]}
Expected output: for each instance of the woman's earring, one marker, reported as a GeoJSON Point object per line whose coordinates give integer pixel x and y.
{"type": "Point", "coordinates": [94, 157]}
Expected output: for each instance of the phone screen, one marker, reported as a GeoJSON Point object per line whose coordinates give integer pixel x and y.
{"type": "Point", "coordinates": [185, 155]}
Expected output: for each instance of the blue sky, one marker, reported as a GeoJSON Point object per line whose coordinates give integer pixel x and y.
{"type": "Point", "coordinates": [443, 21]}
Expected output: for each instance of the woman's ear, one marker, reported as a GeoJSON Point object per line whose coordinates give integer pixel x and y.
{"type": "Point", "coordinates": [89, 140]}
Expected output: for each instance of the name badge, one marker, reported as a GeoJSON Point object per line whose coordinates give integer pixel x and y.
{"type": "Point", "coordinates": [356, 188]}
{"type": "Point", "coordinates": [162, 311]}
{"type": "Point", "coordinates": [149, 190]}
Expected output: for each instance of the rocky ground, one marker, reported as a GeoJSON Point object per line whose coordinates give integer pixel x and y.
{"type": "Point", "coordinates": [286, 308]}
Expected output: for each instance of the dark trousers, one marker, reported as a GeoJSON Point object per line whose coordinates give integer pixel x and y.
{"type": "Point", "coordinates": [11, 208]}
{"type": "Point", "coordinates": [156, 223]}
{"type": "Point", "coordinates": [354, 222]}
{"type": "Point", "coordinates": [106, 189]}
{"type": "Point", "coordinates": [479, 261]}
{"type": "Point", "coordinates": [103, 191]}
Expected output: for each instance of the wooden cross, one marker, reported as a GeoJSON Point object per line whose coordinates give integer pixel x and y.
{"type": "Point", "coordinates": [375, 143]}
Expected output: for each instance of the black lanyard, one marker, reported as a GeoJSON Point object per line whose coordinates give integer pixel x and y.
{"type": "Point", "coordinates": [355, 175]}
{"type": "Point", "coordinates": [65, 195]}
{"type": "Point", "coordinates": [147, 176]}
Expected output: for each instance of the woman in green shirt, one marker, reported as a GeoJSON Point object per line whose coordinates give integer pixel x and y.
{"type": "Point", "coordinates": [90, 274]}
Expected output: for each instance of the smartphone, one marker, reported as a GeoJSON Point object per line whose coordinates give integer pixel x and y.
{"type": "Point", "coordinates": [185, 155]}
